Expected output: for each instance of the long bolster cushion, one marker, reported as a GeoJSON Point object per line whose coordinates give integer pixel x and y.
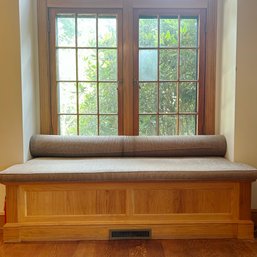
{"type": "Point", "coordinates": [127, 146]}
{"type": "Point", "coordinates": [103, 169]}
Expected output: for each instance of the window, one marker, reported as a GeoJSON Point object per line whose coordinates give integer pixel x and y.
{"type": "Point", "coordinates": [169, 56]}
{"type": "Point", "coordinates": [126, 70]}
{"type": "Point", "coordinates": [88, 71]}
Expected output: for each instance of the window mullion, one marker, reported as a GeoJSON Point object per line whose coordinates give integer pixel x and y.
{"type": "Point", "coordinates": [178, 83]}
{"type": "Point", "coordinates": [77, 86]}
{"type": "Point", "coordinates": [97, 76]}
{"type": "Point", "coordinates": [158, 79]}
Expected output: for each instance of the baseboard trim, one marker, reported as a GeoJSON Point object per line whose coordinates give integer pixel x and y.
{"type": "Point", "coordinates": [2, 221]}
{"type": "Point", "coordinates": [52, 232]}
{"type": "Point", "coordinates": [254, 216]}
{"type": "Point", "coordinates": [253, 213]}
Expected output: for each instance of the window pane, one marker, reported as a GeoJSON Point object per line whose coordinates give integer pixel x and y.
{"type": "Point", "coordinates": [189, 32]}
{"type": "Point", "coordinates": [187, 97]}
{"type": "Point", "coordinates": [67, 125]}
{"type": "Point", "coordinates": [86, 33]}
{"type": "Point", "coordinates": [108, 125]}
{"type": "Point", "coordinates": [188, 64]}
{"type": "Point", "coordinates": [108, 98]}
{"type": "Point", "coordinates": [66, 64]}
{"type": "Point", "coordinates": [168, 125]}
{"type": "Point", "coordinates": [87, 67]}
{"type": "Point", "coordinates": [65, 30]}
{"type": "Point", "coordinates": [187, 124]}
{"type": "Point", "coordinates": [87, 98]}
{"type": "Point", "coordinates": [107, 65]}
{"type": "Point", "coordinates": [148, 65]}
{"type": "Point", "coordinates": [88, 125]}
{"type": "Point", "coordinates": [169, 32]}
{"type": "Point", "coordinates": [168, 64]}
{"type": "Point", "coordinates": [148, 98]}
{"type": "Point", "coordinates": [148, 32]}
{"type": "Point", "coordinates": [107, 32]}
{"type": "Point", "coordinates": [168, 97]}
{"type": "Point", "coordinates": [147, 125]}
{"type": "Point", "coordinates": [67, 98]}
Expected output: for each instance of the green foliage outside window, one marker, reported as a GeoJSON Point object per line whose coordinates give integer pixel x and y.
{"type": "Point", "coordinates": [168, 74]}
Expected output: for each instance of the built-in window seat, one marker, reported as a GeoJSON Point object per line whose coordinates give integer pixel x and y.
{"type": "Point", "coordinates": [86, 187]}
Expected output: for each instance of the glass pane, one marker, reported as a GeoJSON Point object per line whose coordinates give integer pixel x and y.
{"type": "Point", "coordinates": [148, 65]}
{"type": "Point", "coordinates": [148, 32]}
{"type": "Point", "coordinates": [67, 98]}
{"type": "Point", "coordinates": [188, 64]}
{"type": "Point", "coordinates": [108, 125]}
{"type": "Point", "coordinates": [169, 32]}
{"type": "Point", "coordinates": [107, 32]}
{"type": "Point", "coordinates": [189, 32]}
{"type": "Point", "coordinates": [87, 66]}
{"type": "Point", "coordinates": [86, 30]}
{"type": "Point", "coordinates": [108, 98]}
{"type": "Point", "coordinates": [67, 125]}
{"type": "Point", "coordinates": [87, 98]}
{"type": "Point", "coordinates": [187, 97]}
{"type": "Point", "coordinates": [66, 64]}
{"type": "Point", "coordinates": [65, 30]}
{"type": "Point", "coordinates": [187, 124]}
{"type": "Point", "coordinates": [107, 65]}
{"type": "Point", "coordinates": [147, 125]}
{"type": "Point", "coordinates": [168, 64]}
{"type": "Point", "coordinates": [88, 125]}
{"type": "Point", "coordinates": [168, 125]}
{"type": "Point", "coordinates": [148, 98]}
{"type": "Point", "coordinates": [168, 97]}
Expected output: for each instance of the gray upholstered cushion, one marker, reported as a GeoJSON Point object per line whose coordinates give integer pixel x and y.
{"type": "Point", "coordinates": [127, 169]}
{"type": "Point", "coordinates": [127, 146]}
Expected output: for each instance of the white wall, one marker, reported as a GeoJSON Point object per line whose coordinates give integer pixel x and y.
{"type": "Point", "coordinates": [226, 72]}
{"type": "Point", "coordinates": [29, 72]}
{"type": "Point", "coordinates": [11, 147]}
{"type": "Point", "coordinates": [237, 81]}
{"type": "Point", "coordinates": [19, 111]}
{"type": "Point", "coordinates": [246, 87]}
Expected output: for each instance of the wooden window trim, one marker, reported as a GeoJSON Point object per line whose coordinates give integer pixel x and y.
{"type": "Point", "coordinates": [128, 94]}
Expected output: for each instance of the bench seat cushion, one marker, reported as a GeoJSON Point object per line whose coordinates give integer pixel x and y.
{"type": "Point", "coordinates": [53, 169]}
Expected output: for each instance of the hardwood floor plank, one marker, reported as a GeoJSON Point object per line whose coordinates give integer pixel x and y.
{"type": "Point", "coordinates": [154, 248]}
{"type": "Point", "coordinates": [242, 250]}
{"type": "Point", "coordinates": [176, 248]}
{"type": "Point", "coordinates": [18, 250]}
{"type": "Point", "coordinates": [103, 248]}
{"type": "Point", "coordinates": [85, 248]}
{"type": "Point", "coordinates": [209, 248]}
{"type": "Point", "coordinates": [46, 250]}
{"type": "Point", "coordinates": [137, 248]}
{"type": "Point", "coordinates": [120, 248]}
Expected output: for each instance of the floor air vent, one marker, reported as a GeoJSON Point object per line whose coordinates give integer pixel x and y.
{"type": "Point", "coordinates": [130, 234]}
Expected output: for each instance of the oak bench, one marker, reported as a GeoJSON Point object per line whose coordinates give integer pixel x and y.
{"type": "Point", "coordinates": [87, 187]}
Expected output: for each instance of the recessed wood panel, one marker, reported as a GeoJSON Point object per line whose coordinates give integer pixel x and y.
{"type": "Point", "coordinates": [89, 210]}
{"type": "Point", "coordinates": [182, 201]}
{"type": "Point", "coordinates": [86, 202]}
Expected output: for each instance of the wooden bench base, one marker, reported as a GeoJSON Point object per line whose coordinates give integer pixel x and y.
{"type": "Point", "coordinates": [76, 211]}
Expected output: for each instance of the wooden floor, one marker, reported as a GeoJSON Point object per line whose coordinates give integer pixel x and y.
{"type": "Point", "coordinates": [133, 248]}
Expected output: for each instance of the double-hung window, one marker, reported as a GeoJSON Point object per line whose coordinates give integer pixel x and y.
{"type": "Point", "coordinates": [87, 52]}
